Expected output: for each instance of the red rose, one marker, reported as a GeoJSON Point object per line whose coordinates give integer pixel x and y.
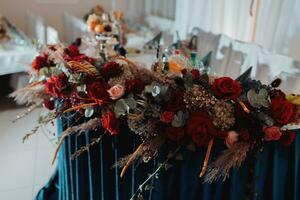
{"type": "Point", "coordinates": [281, 110]}
{"type": "Point", "coordinates": [175, 101]}
{"type": "Point", "coordinates": [226, 87]}
{"type": "Point", "coordinates": [98, 90]}
{"type": "Point", "coordinates": [49, 104]}
{"type": "Point", "coordinates": [272, 133]}
{"type": "Point", "coordinates": [136, 86]}
{"type": "Point", "coordinates": [167, 117]}
{"type": "Point", "coordinates": [110, 123]}
{"type": "Point", "coordinates": [39, 62]}
{"type": "Point", "coordinates": [61, 80]}
{"type": "Point", "coordinates": [174, 133]}
{"type": "Point", "coordinates": [111, 69]}
{"type": "Point", "coordinates": [50, 87]}
{"type": "Point", "coordinates": [287, 138]}
{"type": "Point", "coordinates": [195, 73]}
{"type": "Point", "coordinates": [200, 128]}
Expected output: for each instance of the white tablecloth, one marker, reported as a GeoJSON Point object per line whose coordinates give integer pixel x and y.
{"type": "Point", "coordinates": [15, 59]}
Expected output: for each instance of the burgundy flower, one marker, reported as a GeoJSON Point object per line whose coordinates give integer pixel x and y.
{"type": "Point", "coordinates": [49, 104]}
{"type": "Point", "coordinates": [167, 117]}
{"type": "Point", "coordinates": [175, 101]}
{"type": "Point", "coordinates": [39, 62]}
{"type": "Point", "coordinates": [98, 90]}
{"type": "Point", "coordinates": [195, 73]}
{"type": "Point", "coordinates": [281, 110]}
{"type": "Point", "coordinates": [135, 86]}
{"type": "Point", "coordinates": [226, 87]}
{"type": "Point", "coordinates": [72, 50]}
{"type": "Point", "coordinates": [174, 133]}
{"type": "Point", "coordinates": [111, 69]}
{"type": "Point", "coordinates": [61, 81]}
{"type": "Point", "coordinates": [200, 128]}
{"type": "Point", "coordinates": [110, 123]}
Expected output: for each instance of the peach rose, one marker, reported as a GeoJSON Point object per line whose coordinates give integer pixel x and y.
{"type": "Point", "coordinates": [231, 139]}
{"type": "Point", "coordinates": [116, 91]}
{"type": "Point", "coordinates": [272, 133]}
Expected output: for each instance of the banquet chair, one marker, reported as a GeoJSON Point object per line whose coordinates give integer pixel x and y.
{"type": "Point", "coordinates": [52, 35]}
{"type": "Point", "coordinates": [36, 28]}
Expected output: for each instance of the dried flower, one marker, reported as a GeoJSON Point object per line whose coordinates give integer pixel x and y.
{"type": "Point", "coordinates": [197, 97]}
{"type": "Point", "coordinates": [223, 115]}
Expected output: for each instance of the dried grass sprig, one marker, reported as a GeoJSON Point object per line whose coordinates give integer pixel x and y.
{"type": "Point", "coordinates": [28, 111]}
{"type": "Point", "coordinates": [230, 158]}
{"type": "Point", "coordinates": [28, 95]}
{"type": "Point", "coordinates": [87, 147]}
{"type": "Point", "coordinates": [32, 132]}
{"type": "Point", "coordinates": [147, 148]}
{"type": "Point", "coordinates": [162, 165]}
{"type": "Point", "coordinates": [89, 125]}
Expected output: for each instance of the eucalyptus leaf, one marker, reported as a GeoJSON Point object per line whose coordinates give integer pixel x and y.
{"type": "Point", "coordinates": [258, 100]}
{"type": "Point", "coordinates": [156, 89]}
{"type": "Point", "coordinates": [121, 108]}
{"type": "Point", "coordinates": [130, 101]}
{"type": "Point", "coordinates": [179, 119]}
{"type": "Point", "coordinates": [89, 111]}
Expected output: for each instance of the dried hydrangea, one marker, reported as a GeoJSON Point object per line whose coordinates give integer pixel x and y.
{"type": "Point", "coordinates": [197, 97]}
{"type": "Point", "coordinates": [223, 115]}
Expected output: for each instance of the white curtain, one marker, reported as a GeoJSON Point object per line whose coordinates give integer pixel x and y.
{"type": "Point", "coordinates": [278, 22]}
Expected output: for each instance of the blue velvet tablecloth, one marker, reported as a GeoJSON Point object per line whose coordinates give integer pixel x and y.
{"type": "Point", "coordinates": [273, 173]}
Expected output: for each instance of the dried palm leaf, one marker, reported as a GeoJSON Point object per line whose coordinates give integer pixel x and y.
{"type": "Point", "coordinates": [84, 67]}
{"type": "Point", "coordinates": [230, 158]}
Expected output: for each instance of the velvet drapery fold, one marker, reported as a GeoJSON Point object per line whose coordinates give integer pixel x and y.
{"type": "Point", "coordinates": [273, 173]}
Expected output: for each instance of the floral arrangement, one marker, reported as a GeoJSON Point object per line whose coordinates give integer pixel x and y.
{"type": "Point", "coordinates": [187, 107]}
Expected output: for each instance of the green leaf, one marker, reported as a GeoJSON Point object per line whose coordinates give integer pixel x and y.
{"type": "Point", "coordinates": [246, 75]}
{"type": "Point", "coordinates": [206, 59]}
{"type": "Point", "coordinates": [130, 101]}
{"type": "Point", "coordinates": [179, 119]}
{"type": "Point", "coordinates": [44, 71]}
